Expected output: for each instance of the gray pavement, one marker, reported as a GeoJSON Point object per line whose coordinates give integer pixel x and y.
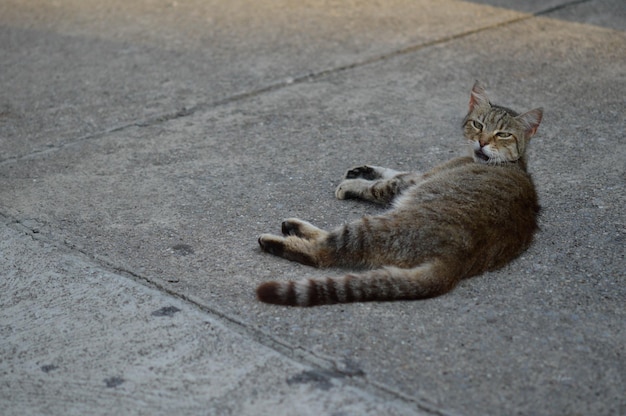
{"type": "Point", "coordinates": [144, 146]}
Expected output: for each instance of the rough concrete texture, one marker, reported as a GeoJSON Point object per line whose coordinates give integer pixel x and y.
{"type": "Point", "coordinates": [145, 146]}
{"type": "Point", "coordinates": [81, 340]}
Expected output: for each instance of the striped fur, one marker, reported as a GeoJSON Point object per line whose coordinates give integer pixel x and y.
{"type": "Point", "coordinates": [464, 217]}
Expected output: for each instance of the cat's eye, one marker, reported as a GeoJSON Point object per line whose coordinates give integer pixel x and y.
{"type": "Point", "coordinates": [477, 125]}
{"type": "Point", "coordinates": [503, 135]}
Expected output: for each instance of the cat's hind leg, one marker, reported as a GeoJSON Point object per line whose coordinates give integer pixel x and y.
{"type": "Point", "coordinates": [301, 242]}
{"type": "Point", "coordinates": [291, 248]}
{"type": "Point", "coordinates": [302, 229]}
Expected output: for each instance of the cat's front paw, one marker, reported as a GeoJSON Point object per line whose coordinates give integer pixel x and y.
{"type": "Point", "coordinates": [368, 173]}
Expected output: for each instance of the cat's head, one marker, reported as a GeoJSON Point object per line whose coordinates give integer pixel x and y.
{"type": "Point", "coordinates": [498, 134]}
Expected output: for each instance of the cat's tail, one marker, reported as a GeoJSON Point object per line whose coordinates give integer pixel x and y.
{"type": "Point", "coordinates": [386, 284]}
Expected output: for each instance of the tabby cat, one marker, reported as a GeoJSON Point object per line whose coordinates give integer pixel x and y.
{"type": "Point", "coordinates": [465, 216]}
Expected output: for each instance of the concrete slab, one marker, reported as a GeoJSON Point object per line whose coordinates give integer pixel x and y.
{"type": "Point", "coordinates": [93, 67]}
{"type": "Point", "coordinates": [610, 14]}
{"type": "Point", "coordinates": [529, 6]}
{"type": "Point", "coordinates": [605, 13]}
{"type": "Point", "coordinates": [179, 202]}
{"type": "Point", "coordinates": [78, 339]}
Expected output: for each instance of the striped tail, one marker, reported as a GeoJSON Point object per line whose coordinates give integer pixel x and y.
{"type": "Point", "coordinates": [386, 284]}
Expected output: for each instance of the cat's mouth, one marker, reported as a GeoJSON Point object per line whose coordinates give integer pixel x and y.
{"type": "Point", "coordinates": [481, 155]}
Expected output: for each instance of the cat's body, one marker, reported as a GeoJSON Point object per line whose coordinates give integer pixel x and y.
{"type": "Point", "coordinates": [466, 216]}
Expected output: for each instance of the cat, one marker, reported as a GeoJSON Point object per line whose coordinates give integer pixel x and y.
{"type": "Point", "coordinates": [465, 216]}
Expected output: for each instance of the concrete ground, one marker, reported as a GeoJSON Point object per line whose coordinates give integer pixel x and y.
{"type": "Point", "coordinates": [144, 146]}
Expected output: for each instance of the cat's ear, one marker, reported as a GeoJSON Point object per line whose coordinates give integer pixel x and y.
{"type": "Point", "coordinates": [531, 120]}
{"type": "Point", "coordinates": [478, 97]}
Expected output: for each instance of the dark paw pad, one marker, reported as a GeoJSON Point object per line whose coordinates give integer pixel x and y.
{"type": "Point", "coordinates": [290, 228]}
{"type": "Point", "coordinates": [351, 195]}
{"type": "Point", "coordinates": [362, 172]}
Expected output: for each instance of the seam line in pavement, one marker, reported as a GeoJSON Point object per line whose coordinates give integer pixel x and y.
{"type": "Point", "coordinates": [330, 367]}
{"type": "Point", "coordinates": [287, 81]}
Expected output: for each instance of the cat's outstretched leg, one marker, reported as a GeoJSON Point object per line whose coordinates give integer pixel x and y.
{"type": "Point", "coordinates": [374, 184]}
{"type": "Point", "coordinates": [302, 229]}
{"type": "Point", "coordinates": [301, 242]}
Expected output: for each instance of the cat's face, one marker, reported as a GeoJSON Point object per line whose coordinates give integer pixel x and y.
{"type": "Point", "coordinates": [497, 134]}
